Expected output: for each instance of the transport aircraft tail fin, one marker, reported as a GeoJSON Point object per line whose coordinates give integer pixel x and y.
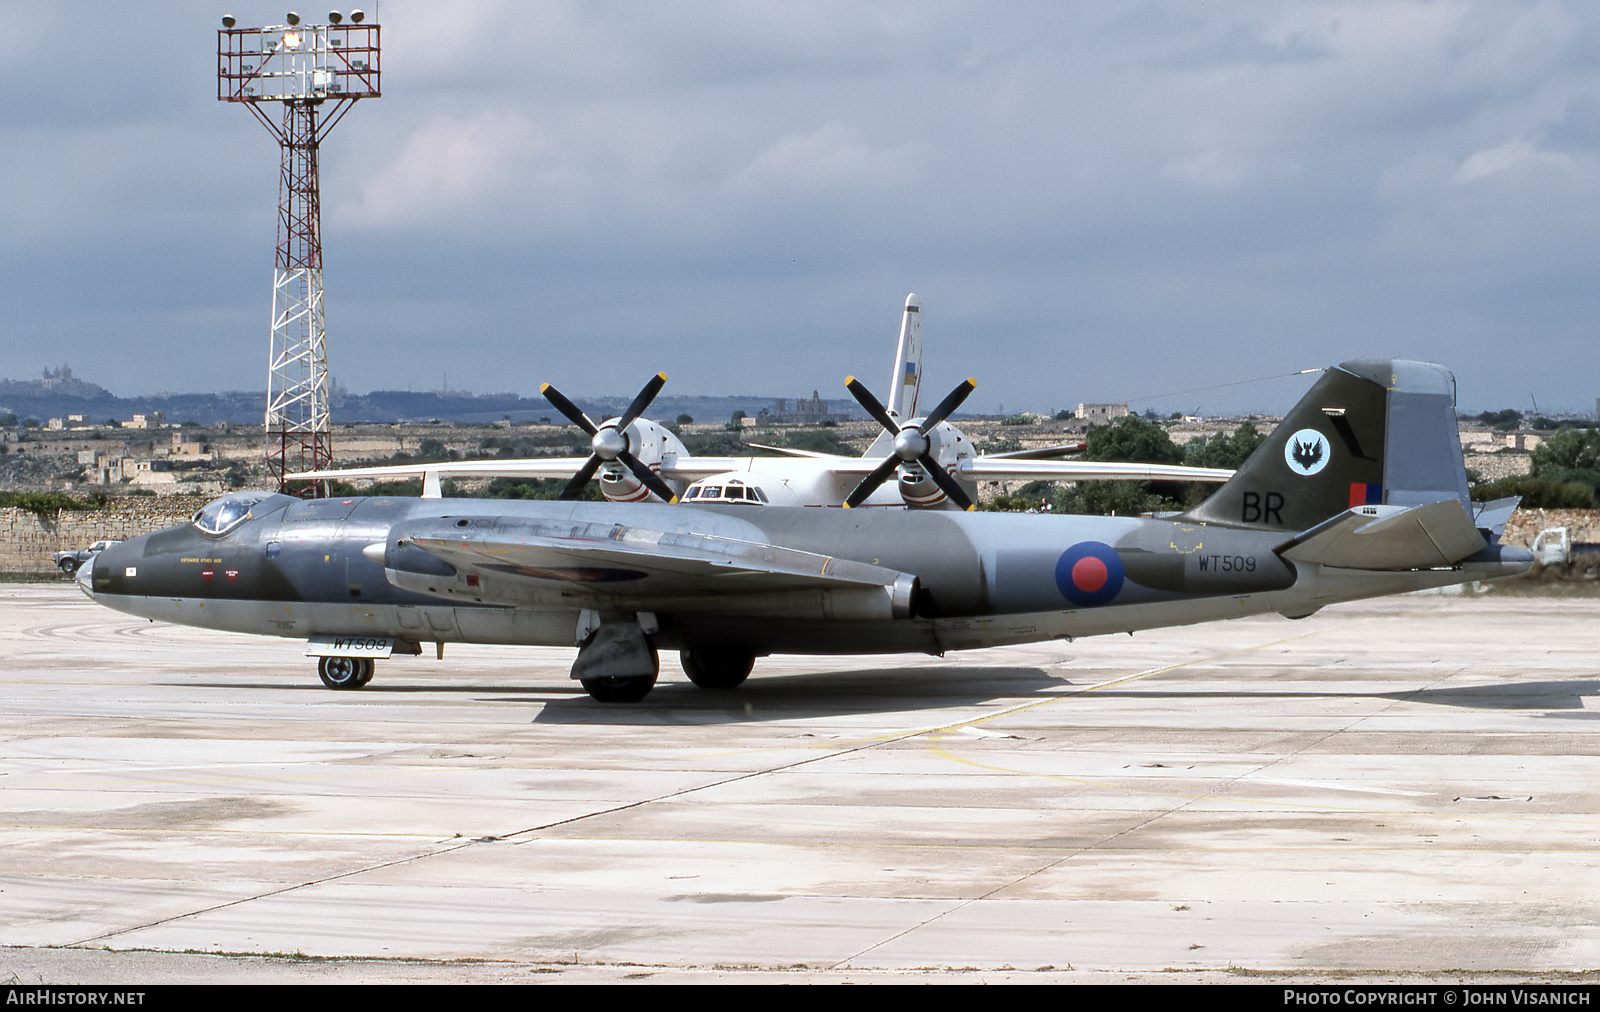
{"type": "Point", "coordinates": [906, 382]}
{"type": "Point", "coordinates": [1373, 432]}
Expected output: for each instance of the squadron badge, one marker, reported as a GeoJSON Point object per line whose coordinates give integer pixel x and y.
{"type": "Point", "coordinates": [1307, 452]}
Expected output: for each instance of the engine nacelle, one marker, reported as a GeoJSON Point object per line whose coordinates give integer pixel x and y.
{"type": "Point", "coordinates": [652, 444]}
{"type": "Point", "coordinates": [949, 446]}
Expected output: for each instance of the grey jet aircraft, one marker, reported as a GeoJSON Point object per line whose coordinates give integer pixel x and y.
{"type": "Point", "coordinates": [1359, 493]}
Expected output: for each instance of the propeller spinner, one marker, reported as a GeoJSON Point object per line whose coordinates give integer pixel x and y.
{"type": "Point", "coordinates": [911, 444]}
{"type": "Point", "coordinates": [609, 443]}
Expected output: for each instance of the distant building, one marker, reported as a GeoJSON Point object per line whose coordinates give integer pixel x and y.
{"type": "Point", "coordinates": [56, 377]}
{"type": "Point", "coordinates": [1099, 414]}
{"type": "Point", "coordinates": [807, 411]}
{"type": "Point", "coordinates": [103, 468]}
{"type": "Point", "coordinates": [186, 445]}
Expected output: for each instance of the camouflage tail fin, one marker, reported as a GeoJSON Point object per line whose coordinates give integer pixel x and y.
{"type": "Point", "coordinates": [1368, 432]}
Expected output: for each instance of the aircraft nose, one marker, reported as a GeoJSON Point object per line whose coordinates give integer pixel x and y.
{"type": "Point", "coordinates": [85, 576]}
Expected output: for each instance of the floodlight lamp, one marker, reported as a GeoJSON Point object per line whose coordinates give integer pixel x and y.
{"type": "Point", "coordinates": [358, 15]}
{"type": "Point", "coordinates": [334, 17]}
{"type": "Point", "coordinates": [291, 40]}
{"type": "Point", "coordinates": [293, 18]}
{"type": "Point", "coordinates": [228, 20]}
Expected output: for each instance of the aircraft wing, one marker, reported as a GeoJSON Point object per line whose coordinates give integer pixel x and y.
{"type": "Point", "coordinates": [684, 469]}
{"type": "Point", "coordinates": [1020, 469]}
{"type": "Point", "coordinates": [1389, 538]}
{"type": "Point", "coordinates": [521, 467]}
{"type": "Point", "coordinates": [695, 468]}
{"type": "Point", "coordinates": [1040, 453]}
{"type": "Point", "coordinates": [790, 451]}
{"type": "Point", "coordinates": [616, 566]}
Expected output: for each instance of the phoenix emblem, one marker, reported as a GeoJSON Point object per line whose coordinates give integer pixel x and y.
{"type": "Point", "coordinates": [1307, 452]}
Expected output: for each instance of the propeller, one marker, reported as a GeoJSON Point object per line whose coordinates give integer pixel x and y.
{"type": "Point", "coordinates": [609, 443]}
{"type": "Point", "coordinates": [911, 444]}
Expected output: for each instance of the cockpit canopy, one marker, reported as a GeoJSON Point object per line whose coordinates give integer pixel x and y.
{"type": "Point", "coordinates": [219, 516]}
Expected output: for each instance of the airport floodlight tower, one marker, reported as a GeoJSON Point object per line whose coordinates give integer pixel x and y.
{"type": "Point", "coordinates": [316, 73]}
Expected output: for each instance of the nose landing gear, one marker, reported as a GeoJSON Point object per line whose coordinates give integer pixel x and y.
{"type": "Point", "coordinates": [345, 672]}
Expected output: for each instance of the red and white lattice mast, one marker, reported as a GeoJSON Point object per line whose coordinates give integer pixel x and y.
{"type": "Point", "coordinates": [316, 72]}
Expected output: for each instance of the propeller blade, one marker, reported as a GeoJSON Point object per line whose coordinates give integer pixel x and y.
{"type": "Point", "coordinates": [649, 478]}
{"type": "Point", "coordinates": [642, 401]}
{"type": "Point", "coordinates": [941, 477]}
{"type": "Point", "coordinates": [566, 407]}
{"type": "Point", "coordinates": [574, 489]}
{"type": "Point", "coordinates": [864, 397]}
{"type": "Point", "coordinates": [870, 483]}
{"type": "Point", "coordinates": [950, 403]}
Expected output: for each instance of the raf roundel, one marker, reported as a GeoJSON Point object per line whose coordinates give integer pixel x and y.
{"type": "Point", "coordinates": [1307, 452]}
{"type": "Point", "coordinates": [1089, 573]}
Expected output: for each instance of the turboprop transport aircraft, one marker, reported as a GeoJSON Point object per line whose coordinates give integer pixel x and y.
{"type": "Point", "coordinates": [638, 460]}
{"type": "Point", "coordinates": [1359, 493]}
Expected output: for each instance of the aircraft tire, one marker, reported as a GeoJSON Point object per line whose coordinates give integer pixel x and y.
{"type": "Point", "coordinates": [619, 688]}
{"type": "Point", "coordinates": [369, 667]}
{"type": "Point", "coordinates": [717, 669]}
{"type": "Point", "coordinates": [345, 672]}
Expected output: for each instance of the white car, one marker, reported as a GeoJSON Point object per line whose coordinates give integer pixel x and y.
{"type": "Point", "coordinates": [68, 562]}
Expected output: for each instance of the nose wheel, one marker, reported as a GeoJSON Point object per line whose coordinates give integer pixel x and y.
{"type": "Point", "coordinates": [345, 672]}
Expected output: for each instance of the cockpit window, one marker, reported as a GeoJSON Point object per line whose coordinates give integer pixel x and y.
{"type": "Point", "coordinates": [222, 515]}
{"type": "Point", "coordinates": [736, 492]}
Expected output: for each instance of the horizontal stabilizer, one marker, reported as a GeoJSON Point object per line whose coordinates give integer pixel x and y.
{"type": "Point", "coordinates": [1389, 538]}
{"type": "Point", "coordinates": [1493, 516]}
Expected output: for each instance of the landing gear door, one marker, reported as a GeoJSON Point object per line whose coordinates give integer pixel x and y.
{"type": "Point", "coordinates": [350, 646]}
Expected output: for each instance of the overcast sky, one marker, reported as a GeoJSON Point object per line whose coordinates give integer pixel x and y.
{"type": "Point", "coordinates": [1095, 201]}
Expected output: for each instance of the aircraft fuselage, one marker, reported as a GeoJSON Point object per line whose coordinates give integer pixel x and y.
{"type": "Point", "coordinates": [343, 567]}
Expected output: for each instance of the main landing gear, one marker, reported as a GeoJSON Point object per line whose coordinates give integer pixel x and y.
{"type": "Point", "coordinates": [713, 668]}
{"type": "Point", "coordinates": [618, 663]}
{"type": "Point", "coordinates": [345, 672]}
{"type": "Point", "coordinates": [618, 688]}
{"type": "Point", "coordinates": [717, 667]}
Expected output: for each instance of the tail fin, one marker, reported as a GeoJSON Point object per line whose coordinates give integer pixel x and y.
{"type": "Point", "coordinates": [1368, 432]}
{"type": "Point", "coordinates": [907, 379]}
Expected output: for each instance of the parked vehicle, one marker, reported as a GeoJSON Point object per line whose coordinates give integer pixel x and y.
{"type": "Point", "coordinates": [68, 562]}
{"type": "Point", "coordinates": [1556, 554]}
